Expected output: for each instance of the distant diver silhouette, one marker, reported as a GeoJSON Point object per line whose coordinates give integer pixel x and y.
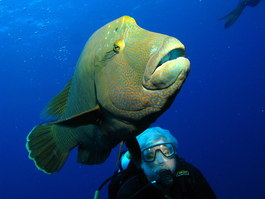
{"type": "Point", "coordinates": [233, 16]}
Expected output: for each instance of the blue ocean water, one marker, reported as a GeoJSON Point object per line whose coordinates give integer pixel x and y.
{"type": "Point", "coordinates": [218, 117]}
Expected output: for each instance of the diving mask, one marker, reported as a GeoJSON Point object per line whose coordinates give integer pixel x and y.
{"type": "Point", "coordinates": [149, 153]}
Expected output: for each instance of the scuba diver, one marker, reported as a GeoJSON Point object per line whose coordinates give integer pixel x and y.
{"type": "Point", "coordinates": [161, 174]}
{"type": "Point", "coordinates": [233, 16]}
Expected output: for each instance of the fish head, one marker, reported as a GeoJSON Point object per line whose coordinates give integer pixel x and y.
{"type": "Point", "coordinates": [137, 72]}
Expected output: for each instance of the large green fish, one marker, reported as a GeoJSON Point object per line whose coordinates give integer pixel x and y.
{"type": "Point", "coordinates": [125, 78]}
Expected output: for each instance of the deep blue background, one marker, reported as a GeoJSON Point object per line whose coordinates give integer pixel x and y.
{"type": "Point", "coordinates": [218, 117]}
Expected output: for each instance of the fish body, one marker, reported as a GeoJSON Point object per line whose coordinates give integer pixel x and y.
{"type": "Point", "coordinates": [125, 78]}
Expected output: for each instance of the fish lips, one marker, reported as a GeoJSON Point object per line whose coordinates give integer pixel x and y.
{"type": "Point", "coordinates": [166, 66]}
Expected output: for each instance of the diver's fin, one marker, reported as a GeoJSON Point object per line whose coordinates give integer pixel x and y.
{"type": "Point", "coordinates": [43, 149]}
{"type": "Point", "coordinates": [233, 15]}
{"type": "Point", "coordinates": [57, 105]}
{"type": "Point", "coordinates": [93, 116]}
{"type": "Point", "coordinates": [89, 157]}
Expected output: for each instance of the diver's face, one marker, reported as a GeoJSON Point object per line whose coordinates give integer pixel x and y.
{"type": "Point", "coordinates": [157, 157]}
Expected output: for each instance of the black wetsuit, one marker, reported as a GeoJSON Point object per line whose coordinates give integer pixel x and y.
{"type": "Point", "coordinates": [189, 183]}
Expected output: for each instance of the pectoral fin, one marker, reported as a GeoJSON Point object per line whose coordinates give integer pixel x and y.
{"type": "Point", "coordinates": [43, 147]}
{"type": "Point", "coordinates": [93, 116]}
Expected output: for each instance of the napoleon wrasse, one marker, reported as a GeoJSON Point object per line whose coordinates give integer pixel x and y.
{"type": "Point", "coordinates": [125, 78]}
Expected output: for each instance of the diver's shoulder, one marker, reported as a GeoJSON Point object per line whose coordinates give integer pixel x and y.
{"type": "Point", "coordinates": [187, 167]}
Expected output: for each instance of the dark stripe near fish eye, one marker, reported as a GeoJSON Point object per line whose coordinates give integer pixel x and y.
{"type": "Point", "coordinates": [108, 55]}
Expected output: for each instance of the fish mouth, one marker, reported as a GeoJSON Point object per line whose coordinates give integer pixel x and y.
{"type": "Point", "coordinates": [166, 65]}
{"type": "Point", "coordinates": [171, 55]}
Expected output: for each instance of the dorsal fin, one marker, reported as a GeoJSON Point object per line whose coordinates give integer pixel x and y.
{"type": "Point", "coordinates": [57, 105]}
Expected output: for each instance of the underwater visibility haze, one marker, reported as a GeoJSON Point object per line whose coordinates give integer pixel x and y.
{"type": "Point", "coordinates": [218, 116]}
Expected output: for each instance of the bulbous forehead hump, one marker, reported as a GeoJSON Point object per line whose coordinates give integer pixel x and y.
{"type": "Point", "coordinates": [121, 24]}
{"type": "Point", "coordinates": [118, 29]}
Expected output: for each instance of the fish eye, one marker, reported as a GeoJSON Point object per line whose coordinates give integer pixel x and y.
{"type": "Point", "coordinates": [118, 46]}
